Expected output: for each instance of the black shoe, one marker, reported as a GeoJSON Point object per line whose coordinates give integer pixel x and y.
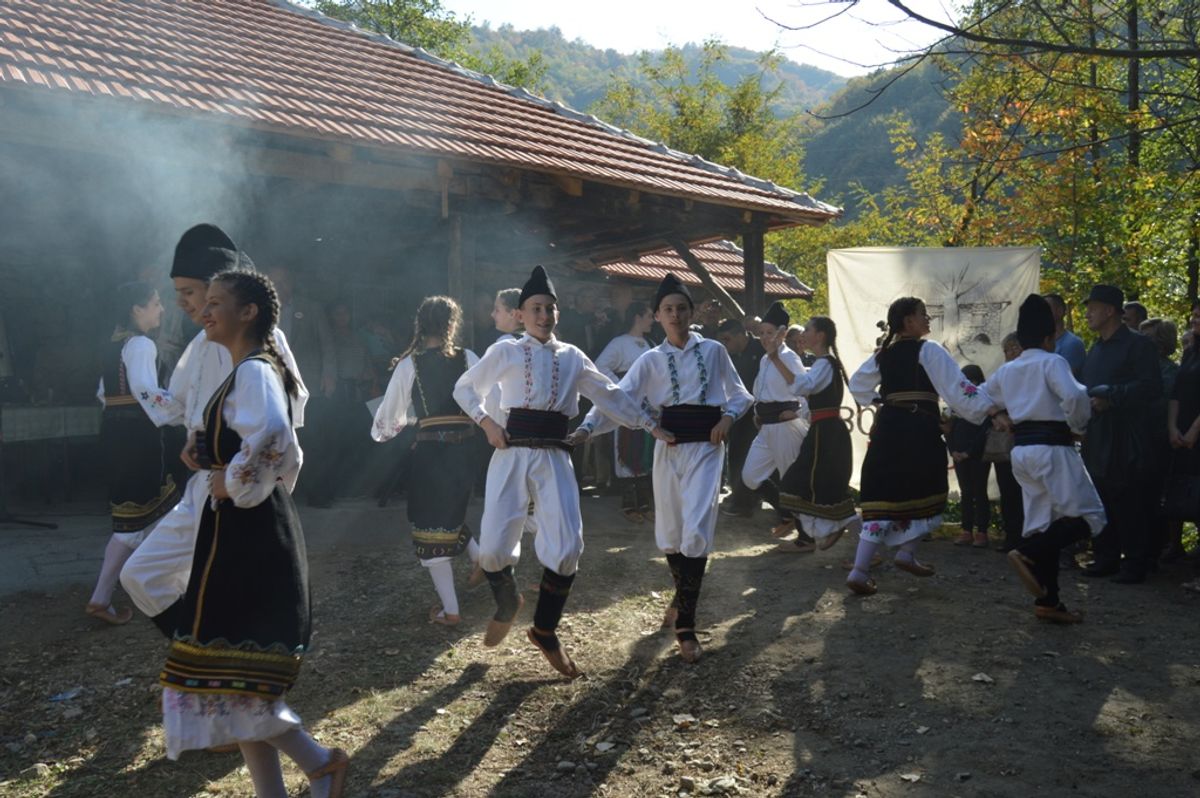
{"type": "Point", "coordinates": [1129, 578]}
{"type": "Point", "coordinates": [731, 509]}
{"type": "Point", "coordinates": [1099, 569]}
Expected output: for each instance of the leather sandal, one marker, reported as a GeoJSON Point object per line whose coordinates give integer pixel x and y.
{"type": "Point", "coordinates": [915, 568]}
{"type": "Point", "coordinates": [867, 588]}
{"type": "Point", "coordinates": [437, 614]}
{"type": "Point", "coordinates": [828, 541]}
{"type": "Point", "coordinates": [498, 630]}
{"type": "Point", "coordinates": [335, 769]}
{"type": "Point", "coordinates": [964, 539]}
{"type": "Point", "coordinates": [633, 516]}
{"type": "Point", "coordinates": [783, 530]}
{"type": "Point", "coordinates": [1020, 563]}
{"type": "Point", "coordinates": [108, 614]}
{"type": "Point", "coordinates": [558, 659]}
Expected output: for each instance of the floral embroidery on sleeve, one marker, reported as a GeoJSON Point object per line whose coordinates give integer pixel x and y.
{"type": "Point", "coordinates": [969, 389]}
{"type": "Point", "coordinates": [269, 458]}
{"type": "Point", "coordinates": [156, 399]}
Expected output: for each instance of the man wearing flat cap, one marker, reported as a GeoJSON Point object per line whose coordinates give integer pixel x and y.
{"type": "Point", "coordinates": [1122, 377]}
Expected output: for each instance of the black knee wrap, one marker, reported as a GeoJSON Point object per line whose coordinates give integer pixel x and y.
{"type": "Point", "coordinates": [504, 590]}
{"type": "Point", "coordinates": [687, 595]}
{"type": "Point", "coordinates": [552, 598]}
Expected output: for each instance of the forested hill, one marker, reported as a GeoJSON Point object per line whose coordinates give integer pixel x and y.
{"type": "Point", "coordinates": [577, 73]}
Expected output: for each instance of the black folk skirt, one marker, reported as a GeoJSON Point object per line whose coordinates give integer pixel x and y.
{"type": "Point", "coordinates": [818, 483]}
{"type": "Point", "coordinates": [441, 477]}
{"type": "Point", "coordinates": [904, 471]}
{"type": "Point", "coordinates": [142, 487]}
{"type": "Point", "coordinates": [246, 617]}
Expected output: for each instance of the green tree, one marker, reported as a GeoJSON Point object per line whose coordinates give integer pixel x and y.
{"type": "Point", "coordinates": [429, 25]}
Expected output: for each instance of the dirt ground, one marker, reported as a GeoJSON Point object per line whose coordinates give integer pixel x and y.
{"type": "Point", "coordinates": [934, 687]}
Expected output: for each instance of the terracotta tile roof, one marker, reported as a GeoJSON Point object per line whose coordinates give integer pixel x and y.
{"type": "Point", "coordinates": [270, 64]}
{"type": "Point", "coordinates": [725, 263]}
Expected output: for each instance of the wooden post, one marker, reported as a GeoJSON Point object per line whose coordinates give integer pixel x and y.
{"type": "Point", "coordinates": [460, 273]}
{"type": "Point", "coordinates": [755, 277]}
{"type": "Point", "coordinates": [729, 303]}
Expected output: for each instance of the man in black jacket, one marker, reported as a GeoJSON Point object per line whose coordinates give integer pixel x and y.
{"type": "Point", "coordinates": [1122, 377]}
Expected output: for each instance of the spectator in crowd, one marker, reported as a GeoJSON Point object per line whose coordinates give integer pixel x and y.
{"type": "Point", "coordinates": [1183, 420]}
{"type": "Point", "coordinates": [346, 450]}
{"type": "Point", "coordinates": [793, 339]}
{"type": "Point", "coordinates": [965, 441]}
{"type": "Point", "coordinates": [1165, 337]}
{"type": "Point", "coordinates": [484, 317]}
{"type": "Point", "coordinates": [1133, 315]}
{"type": "Point", "coordinates": [1066, 343]}
{"type": "Point", "coordinates": [1122, 376]}
{"type": "Point", "coordinates": [381, 346]}
{"type": "Point", "coordinates": [746, 352]}
{"type": "Point", "coordinates": [504, 313]}
{"type": "Point", "coordinates": [707, 318]}
{"type": "Point", "coordinates": [1012, 509]}
{"type": "Point", "coordinates": [306, 328]}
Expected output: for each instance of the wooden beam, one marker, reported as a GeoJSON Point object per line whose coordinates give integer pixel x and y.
{"type": "Point", "coordinates": [754, 271]}
{"type": "Point", "coordinates": [728, 302]}
{"type": "Point", "coordinates": [571, 186]}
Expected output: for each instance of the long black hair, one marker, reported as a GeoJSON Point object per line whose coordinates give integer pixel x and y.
{"type": "Point", "coordinates": [825, 326]}
{"type": "Point", "coordinates": [256, 288]}
{"type": "Point", "coordinates": [898, 311]}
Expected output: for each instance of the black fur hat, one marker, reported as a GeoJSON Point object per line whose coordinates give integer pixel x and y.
{"type": "Point", "coordinates": [1035, 322]}
{"type": "Point", "coordinates": [538, 283]}
{"type": "Point", "coordinates": [777, 315]}
{"type": "Point", "coordinates": [671, 285]}
{"type": "Point", "coordinates": [205, 250]}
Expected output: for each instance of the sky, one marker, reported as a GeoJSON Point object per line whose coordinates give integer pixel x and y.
{"type": "Point", "coordinates": [848, 44]}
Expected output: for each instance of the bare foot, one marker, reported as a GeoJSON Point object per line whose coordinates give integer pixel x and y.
{"type": "Point", "coordinates": [498, 630]}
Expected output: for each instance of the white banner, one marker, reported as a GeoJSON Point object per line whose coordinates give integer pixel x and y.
{"type": "Point", "coordinates": [971, 294]}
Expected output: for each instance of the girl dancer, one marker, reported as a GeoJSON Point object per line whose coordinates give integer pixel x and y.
{"type": "Point", "coordinates": [1045, 405]}
{"type": "Point", "coordinates": [904, 481]}
{"type": "Point", "coordinates": [782, 425]}
{"type": "Point", "coordinates": [691, 381]}
{"type": "Point", "coordinates": [245, 616]}
{"type": "Point", "coordinates": [540, 381]}
{"type": "Point", "coordinates": [633, 449]}
{"type": "Point", "coordinates": [141, 483]}
{"type": "Point", "coordinates": [817, 486]}
{"type": "Point", "coordinates": [421, 391]}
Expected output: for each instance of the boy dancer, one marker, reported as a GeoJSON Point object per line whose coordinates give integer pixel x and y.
{"type": "Point", "coordinates": [781, 419]}
{"type": "Point", "coordinates": [1045, 405]}
{"type": "Point", "coordinates": [156, 576]}
{"type": "Point", "coordinates": [540, 381]}
{"type": "Point", "coordinates": [692, 381]}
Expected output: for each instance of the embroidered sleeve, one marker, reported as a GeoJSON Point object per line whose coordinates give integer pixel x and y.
{"type": "Point", "coordinates": [395, 412]}
{"type": "Point", "coordinates": [256, 409]}
{"type": "Point", "coordinates": [966, 399]}
{"type": "Point", "coordinates": [633, 385]}
{"type": "Point", "coordinates": [141, 370]}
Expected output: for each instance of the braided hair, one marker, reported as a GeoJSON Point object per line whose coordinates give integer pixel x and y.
{"type": "Point", "coordinates": [825, 326]}
{"type": "Point", "coordinates": [256, 288]}
{"type": "Point", "coordinates": [898, 311]}
{"type": "Point", "coordinates": [437, 317]}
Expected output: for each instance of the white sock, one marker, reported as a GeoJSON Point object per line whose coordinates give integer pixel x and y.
{"type": "Point", "coordinates": [115, 555]}
{"type": "Point", "coordinates": [443, 581]}
{"type": "Point", "coordinates": [262, 760]}
{"type": "Point", "coordinates": [908, 552]}
{"type": "Point", "coordinates": [862, 560]}
{"type": "Point", "coordinates": [308, 754]}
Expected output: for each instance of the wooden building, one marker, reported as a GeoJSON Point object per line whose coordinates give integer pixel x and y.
{"type": "Point", "coordinates": [373, 169]}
